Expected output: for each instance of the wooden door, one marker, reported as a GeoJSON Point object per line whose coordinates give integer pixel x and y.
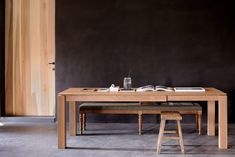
{"type": "Point", "coordinates": [30, 46]}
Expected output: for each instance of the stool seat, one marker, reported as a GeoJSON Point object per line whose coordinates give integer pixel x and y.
{"type": "Point", "coordinates": [167, 115]}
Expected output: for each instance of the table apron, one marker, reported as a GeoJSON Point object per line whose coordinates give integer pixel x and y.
{"type": "Point", "coordinates": [192, 98]}
{"type": "Point", "coordinates": [111, 98]}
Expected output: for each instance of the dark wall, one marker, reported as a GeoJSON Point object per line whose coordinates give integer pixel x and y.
{"type": "Point", "coordinates": [172, 43]}
{"type": "Point", "coordinates": [2, 37]}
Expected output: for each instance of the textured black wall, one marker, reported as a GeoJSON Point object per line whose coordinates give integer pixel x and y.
{"type": "Point", "coordinates": [173, 43]}
{"type": "Point", "coordinates": [2, 37]}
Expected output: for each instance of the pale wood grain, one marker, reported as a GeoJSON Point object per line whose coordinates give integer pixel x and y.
{"type": "Point", "coordinates": [180, 136]}
{"type": "Point", "coordinates": [204, 97]}
{"type": "Point", "coordinates": [211, 118]}
{"type": "Point", "coordinates": [160, 136]}
{"type": "Point", "coordinates": [170, 132]}
{"type": "Point", "coordinates": [211, 95]}
{"type": "Point", "coordinates": [223, 124]}
{"type": "Point", "coordinates": [105, 98]}
{"type": "Point", "coordinates": [61, 128]}
{"type": "Point", "coordinates": [90, 94]}
{"type": "Point", "coordinates": [140, 122]}
{"type": "Point", "coordinates": [93, 91]}
{"type": "Point", "coordinates": [9, 57]}
{"type": "Point", "coordinates": [170, 116]}
{"type": "Point", "coordinates": [72, 118]}
{"type": "Point", "coordinates": [30, 46]}
{"type": "Point", "coordinates": [199, 123]}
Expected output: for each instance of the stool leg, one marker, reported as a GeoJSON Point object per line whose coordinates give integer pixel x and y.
{"type": "Point", "coordinates": [80, 123]}
{"type": "Point", "coordinates": [197, 128]}
{"type": "Point", "coordinates": [180, 136]}
{"type": "Point", "coordinates": [140, 122]}
{"type": "Point", "coordinates": [199, 123]}
{"type": "Point", "coordinates": [161, 131]}
{"type": "Point", "coordinates": [83, 121]}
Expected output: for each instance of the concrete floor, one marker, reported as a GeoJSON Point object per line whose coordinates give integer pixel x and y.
{"type": "Point", "coordinates": [23, 138]}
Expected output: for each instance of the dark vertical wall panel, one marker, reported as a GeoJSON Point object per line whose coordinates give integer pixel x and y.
{"type": "Point", "coordinates": [2, 37]}
{"type": "Point", "coordinates": [173, 43]}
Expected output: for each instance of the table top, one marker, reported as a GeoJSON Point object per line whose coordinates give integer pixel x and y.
{"type": "Point", "coordinates": [209, 91]}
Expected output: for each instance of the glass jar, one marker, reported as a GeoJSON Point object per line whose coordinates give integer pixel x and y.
{"type": "Point", "coordinates": [127, 83]}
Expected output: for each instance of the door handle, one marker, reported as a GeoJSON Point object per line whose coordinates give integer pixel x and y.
{"type": "Point", "coordinates": [53, 63]}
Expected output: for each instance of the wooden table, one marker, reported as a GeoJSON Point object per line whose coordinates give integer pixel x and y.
{"type": "Point", "coordinates": [211, 95]}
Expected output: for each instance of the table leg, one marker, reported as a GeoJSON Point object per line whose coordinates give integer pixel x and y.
{"type": "Point", "coordinates": [72, 118]}
{"type": "Point", "coordinates": [223, 126]}
{"type": "Point", "coordinates": [211, 118]}
{"type": "Point", "coordinates": [61, 127]}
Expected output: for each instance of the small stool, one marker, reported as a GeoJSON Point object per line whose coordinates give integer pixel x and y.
{"type": "Point", "coordinates": [170, 116]}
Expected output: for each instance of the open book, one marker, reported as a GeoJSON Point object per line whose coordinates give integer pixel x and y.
{"type": "Point", "coordinates": [148, 88]}
{"type": "Point", "coordinates": [163, 88]}
{"type": "Point", "coordinates": [152, 88]}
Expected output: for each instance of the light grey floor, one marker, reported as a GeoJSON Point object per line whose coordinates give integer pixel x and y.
{"type": "Point", "coordinates": [23, 138]}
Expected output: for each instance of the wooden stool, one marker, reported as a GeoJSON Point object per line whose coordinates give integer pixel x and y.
{"type": "Point", "coordinates": [170, 116]}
